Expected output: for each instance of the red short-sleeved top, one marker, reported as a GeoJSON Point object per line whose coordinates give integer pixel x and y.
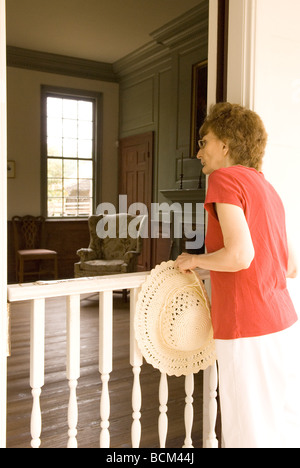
{"type": "Point", "coordinates": [255, 301]}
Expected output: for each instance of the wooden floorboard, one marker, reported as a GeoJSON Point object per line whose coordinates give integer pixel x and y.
{"type": "Point", "coordinates": [55, 393]}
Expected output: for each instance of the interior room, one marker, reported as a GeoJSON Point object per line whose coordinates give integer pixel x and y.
{"type": "Point", "coordinates": [145, 76]}
{"type": "Point", "coordinates": [103, 99]}
{"type": "Point", "coordinates": [145, 65]}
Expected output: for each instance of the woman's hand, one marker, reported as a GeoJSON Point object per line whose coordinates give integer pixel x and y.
{"type": "Point", "coordinates": [185, 263]}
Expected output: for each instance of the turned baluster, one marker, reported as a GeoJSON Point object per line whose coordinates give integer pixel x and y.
{"type": "Point", "coordinates": [212, 441]}
{"type": "Point", "coordinates": [189, 410]}
{"type": "Point", "coordinates": [163, 408]}
{"type": "Point", "coordinates": [73, 364]}
{"type": "Point", "coordinates": [37, 357]}
{"type": "Point", "coordinates": [105, 361]}
{"type": "Point", "coordinates": [136, 361]}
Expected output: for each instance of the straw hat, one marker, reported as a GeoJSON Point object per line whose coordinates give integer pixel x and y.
{"type": "Point", "coordinates": [172, 322]}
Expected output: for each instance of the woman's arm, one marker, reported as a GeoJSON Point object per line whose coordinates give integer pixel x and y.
{"type": "Point", "coordinates": [238, 251]}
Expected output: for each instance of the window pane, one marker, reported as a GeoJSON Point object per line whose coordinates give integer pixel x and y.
{"type": "Point", "coordinates": [85, 149]}
{"type": "Point", "coordinates": [55, 188]}
{"type": "Point", "coordinates": [55, 207]}
{"type": "Point", "coordinates": [85, 110]}
{"type": "Point", "coordinates": [85, 206]}
{"type": "Point", "coordinates": [70, 169]}
{"type": "Point", "coordinates": [69, 148]}
{"type": "Point", "coordinates": [71, 188]}
{"type": "Point", "coordinates": [69, 128]}
{"type": "Point", "coordinates": [70, 156]}
{"type": "Point", "coordinates": [55, 168]}
{"type": "Point", "coordinates": [86, 169]}
{"type": "Point", "coordinates": [85, 130]}
{"type": "Point", "coordinates": [85, 188]}
{"type": "Point", "coordinates": [54, 146]}
{"type": "Point", "coordinates": [70, 206]}
{"type": "Point", "coordinates": [54, 107]}
{"type": "Point", "coordinates": [54, 128]}
{"type": "Point", "coordinates": [70, 108]}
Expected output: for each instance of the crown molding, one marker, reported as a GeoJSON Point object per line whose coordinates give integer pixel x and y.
{"type": "Point", "coordinates": [60, 64]}
{"type": "Point", "coordinates": [148, 56]}
{"type": "Point", "coordinates": [178, 31]}
{"type": "Point", "coordinates": [185, 32]}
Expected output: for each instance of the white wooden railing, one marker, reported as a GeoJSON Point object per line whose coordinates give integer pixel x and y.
{"type": "Point", "coordinates": [72, 289]}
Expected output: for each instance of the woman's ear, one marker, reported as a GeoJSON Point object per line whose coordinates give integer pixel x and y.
{"type": "Point", "coordinates": [225, 148]}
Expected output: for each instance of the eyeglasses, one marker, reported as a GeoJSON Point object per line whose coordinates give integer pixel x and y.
{"type": "Point", "coordinates": [202, 144]}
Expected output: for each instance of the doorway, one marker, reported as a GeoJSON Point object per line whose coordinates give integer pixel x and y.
{"type": "Point", "coordinates": [135, 180]}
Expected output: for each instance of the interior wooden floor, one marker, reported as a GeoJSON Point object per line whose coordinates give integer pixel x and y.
{"type": "Point", "coordinates": [55, 393]}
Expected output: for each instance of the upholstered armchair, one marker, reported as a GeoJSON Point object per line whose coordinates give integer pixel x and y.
{"type": "Point", "coordinates": [117, 252]}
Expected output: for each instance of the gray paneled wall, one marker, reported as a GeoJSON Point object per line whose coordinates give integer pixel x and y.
{"type": "Point", "coordinates": [156, 92]}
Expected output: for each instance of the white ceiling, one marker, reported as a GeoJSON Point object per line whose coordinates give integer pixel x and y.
{"type": "Point", "coordinates": [101, 30]}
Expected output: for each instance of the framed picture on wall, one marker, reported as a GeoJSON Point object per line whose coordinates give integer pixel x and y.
{"type": "Point", "coordinates": [199, 103]}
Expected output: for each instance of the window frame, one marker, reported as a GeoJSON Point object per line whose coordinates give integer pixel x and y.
{"type": "Point", "coordinates": [53, 91]}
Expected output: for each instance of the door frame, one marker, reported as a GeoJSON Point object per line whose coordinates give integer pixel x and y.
{"type": "Point", "coordinates": [3, 227]}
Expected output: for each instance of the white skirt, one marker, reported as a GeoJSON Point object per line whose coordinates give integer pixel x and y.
{"type": "Point", "coordinates": [259, 386]}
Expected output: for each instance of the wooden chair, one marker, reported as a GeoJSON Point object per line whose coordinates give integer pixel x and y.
{"type": "Point", "coordinates": [29, 247]}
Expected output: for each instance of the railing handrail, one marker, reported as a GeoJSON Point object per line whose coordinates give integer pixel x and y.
{"type": "Point", "coordinates": [67, 287]}
{"type": "Point", "coordinates": [86, 285]}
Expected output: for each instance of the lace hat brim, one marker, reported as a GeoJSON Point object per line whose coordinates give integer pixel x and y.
{"type": "Point", "coordinates": [172, 322]}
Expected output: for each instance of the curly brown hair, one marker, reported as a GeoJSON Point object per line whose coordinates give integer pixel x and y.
{"type": "Point", "coordinates": [241, 129]}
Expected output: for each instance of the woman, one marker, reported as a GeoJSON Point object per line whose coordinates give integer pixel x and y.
{"type": "Point", "coordinates": [253, 317]}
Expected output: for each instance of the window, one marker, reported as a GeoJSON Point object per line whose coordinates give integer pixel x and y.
{"type": "Point", "coordinates": [69, 147]}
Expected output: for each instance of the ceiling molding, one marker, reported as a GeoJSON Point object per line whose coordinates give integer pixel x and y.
{"type": "Point", "coordinates": [178, 31]}
{"type": "Point", "coordinates": [187, 31]}
{"type": "Point", "coordinates": [148, 56]}
{"type": "Point", "coordinates": [60, 64]}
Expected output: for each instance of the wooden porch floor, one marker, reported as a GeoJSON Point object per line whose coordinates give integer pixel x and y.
{"type": "Point", "coordinates": [55, 393]}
